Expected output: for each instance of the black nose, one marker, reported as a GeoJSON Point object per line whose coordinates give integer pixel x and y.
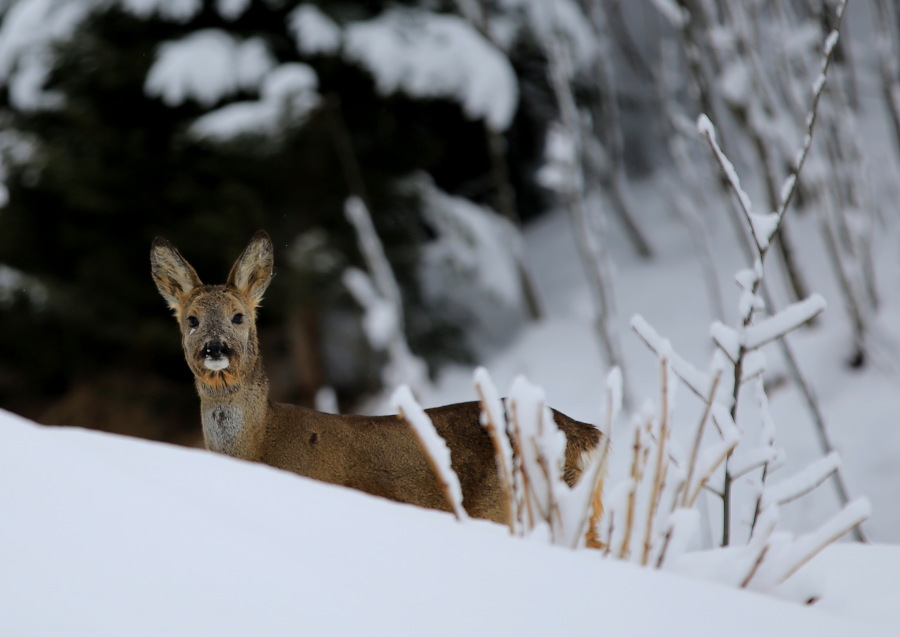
{"type": "Point", "coordinates": [216, 350]}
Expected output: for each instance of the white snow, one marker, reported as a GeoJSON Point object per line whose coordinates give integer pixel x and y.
{"type": "Point", "coordinates": [831, 41]}
{"type": "Point", "coordinates": [104, 535]}
{"type": "Point", "coordinates": [784, 322]}
{"type": "Point", "coordinates": [765, 226]}
{"type": "Point", "coordinates": [436, 56]}
{"type": "Point", "coordinates": [706, 128]}
{"type": "Point", "coordinates": [206, 66]}
{"type": "Point", "coordinates": [216, 365]}
{"type": "Point", "coordinates": [27, 32]}
{"type": "Point", "coordinates": [378, 293]}
{"type": "Point", "coordinates": [695, 379]}
{"type": "Point", "coordinates": [727, 338]}
{"type": "Point", "coordinates": [473, 241]}
{"type": "Point", "coordinates": [13, 281]}
{"type": "Point", "coordinates": [380, 320]}
{"type": "Point", "coordinates": [803, 482]}
{"type": "Point", "coordinates": [174, 10]}
{"type": "Point", "coordinates": [313, 31]}
{"type": "Point", "coordinates": [564, 22]}
{"type": "Point", "coordinates": [232, 9]}
{"type": "Point", "coordinates": [560, 153]}
{"type": "Point", "coordinates": [677, 16]}
{"type": "Point", "coordinates": [289, 93]}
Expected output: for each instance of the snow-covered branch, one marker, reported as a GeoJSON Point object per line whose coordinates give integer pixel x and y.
{"type": "Point", "coordinates": [434, 447]}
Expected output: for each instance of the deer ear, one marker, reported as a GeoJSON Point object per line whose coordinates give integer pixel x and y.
{"type": "Point", "coordinates": [252, 272]}
{"type": "Point", "coordinates": [173, 275]}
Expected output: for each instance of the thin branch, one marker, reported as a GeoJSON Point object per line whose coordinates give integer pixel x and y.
{"type": "Point", "coordinates": [695, 448]}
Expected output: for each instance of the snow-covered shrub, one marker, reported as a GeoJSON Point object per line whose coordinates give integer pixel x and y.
{"type": "Point", "coordinates": [699, 498]}
{"type": "Point", "coordinates": [637, 526]}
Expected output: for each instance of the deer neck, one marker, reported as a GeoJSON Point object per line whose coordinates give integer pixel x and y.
{"type": "Point", "coordinates": [235, 416]}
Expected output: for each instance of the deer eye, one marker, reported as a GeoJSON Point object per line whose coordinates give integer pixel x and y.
{"type": "Point", "coordinates": [193, 321]}
{"type": "Point", "coordinates": [237, 319]}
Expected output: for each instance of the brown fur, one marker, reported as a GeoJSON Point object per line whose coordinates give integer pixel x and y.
{"type": "Point", "coordinates": [375, 454]}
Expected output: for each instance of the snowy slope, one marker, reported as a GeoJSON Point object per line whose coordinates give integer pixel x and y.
{"type": "Point", "coordinates": [104, 535]}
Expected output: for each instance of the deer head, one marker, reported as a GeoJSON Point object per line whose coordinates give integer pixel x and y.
{"type": "Point", "coordinates": [218, 322]}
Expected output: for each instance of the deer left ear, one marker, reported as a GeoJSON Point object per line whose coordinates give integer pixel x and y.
{"type": "Point", "coordinates": [173, 275]}
{"type": "Point", "coordinates": [252, 272]}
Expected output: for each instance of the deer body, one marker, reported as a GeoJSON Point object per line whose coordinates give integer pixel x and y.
{"type": "Point", "coordinates": [376, 454]}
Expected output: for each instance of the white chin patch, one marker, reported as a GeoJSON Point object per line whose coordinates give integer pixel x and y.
{"type": "Point", "coordinates": [216, 365]}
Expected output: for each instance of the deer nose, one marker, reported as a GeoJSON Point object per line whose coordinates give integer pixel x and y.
{"type": "Point", "coordinates": [216, 350]}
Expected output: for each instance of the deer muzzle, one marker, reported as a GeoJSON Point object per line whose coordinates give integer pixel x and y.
{"type": "Point", "coordinates": [216, 356]}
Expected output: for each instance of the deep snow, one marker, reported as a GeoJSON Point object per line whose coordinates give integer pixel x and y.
{"type": "Point", "coordinates": [105, 535]}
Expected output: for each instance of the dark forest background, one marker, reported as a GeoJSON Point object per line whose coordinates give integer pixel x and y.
{"type": "Point", "coordinates": [113, 167]}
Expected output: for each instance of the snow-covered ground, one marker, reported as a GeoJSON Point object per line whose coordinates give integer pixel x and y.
{"type": "Point", "coordinates": [104, 535]}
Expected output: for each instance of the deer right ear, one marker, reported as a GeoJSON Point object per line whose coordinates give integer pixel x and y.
{"type": "Point", "coordinates": [173, 275]}
{"type": "Point", "coordinates": [252, 272]}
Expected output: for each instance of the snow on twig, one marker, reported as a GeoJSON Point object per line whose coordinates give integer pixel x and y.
{"type": "Point", "coordinates": [493, 419]}
{"type": "Point", "coordinates": [660, 465]}
{"type": "Point", "coordinates": [753, 459]}
{"type": "Point", "coordinates": [802, 482]}
{"type": "Point", "coordinates": [696, 380]}
{"type": "Point", "coordinates": [790, 187]}
{"type": "Point", "coordinates": [379, 294]}
{"type": "Point", "coordinates": [708, 462]}
{"type": "Point", "coordinates": [784, 322]}
{"type": "Point", "coordinates": [787, 557]}
{"type": "Point", "coordinates": [434, 447]}
{"type": "Point", "coordinates": [708, 130]}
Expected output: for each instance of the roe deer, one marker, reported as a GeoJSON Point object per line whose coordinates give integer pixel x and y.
{"type": "Point", "coordinates": [376, 454]}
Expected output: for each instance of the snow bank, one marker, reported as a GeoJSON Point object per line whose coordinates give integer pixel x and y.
{"type": "Point", "coordinates": [105, 535]}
